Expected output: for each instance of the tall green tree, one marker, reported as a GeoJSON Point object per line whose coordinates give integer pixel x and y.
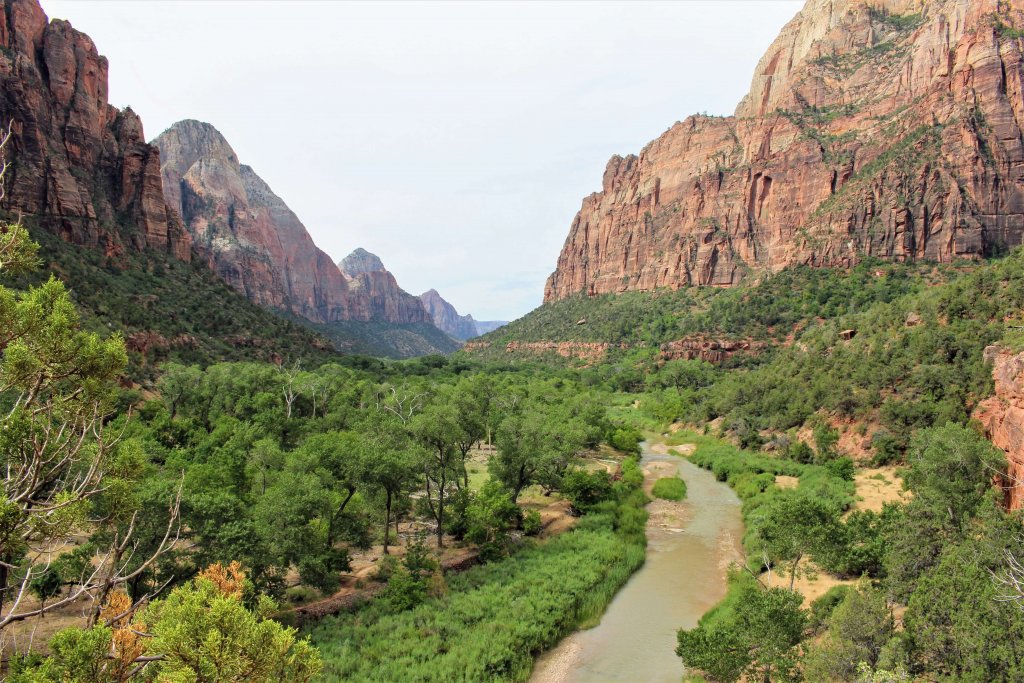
{"type": "Point", "coordinates": [950, 476]}
{"type": "Point", "coordinates": [437, 428]}
{"type": "Point", "coordinates": [793, 526]}
{"type": "Point", "coordinates": [859, 627]}
{"type": "Point", "coordinates": [394, 464]}
{"type": "Point", "coordinates": [753, 637]}
{"type": "Point", "coordinates": [536, 444]}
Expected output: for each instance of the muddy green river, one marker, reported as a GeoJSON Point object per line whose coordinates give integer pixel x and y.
{"type": "Point", "coordinates": [690, 545]}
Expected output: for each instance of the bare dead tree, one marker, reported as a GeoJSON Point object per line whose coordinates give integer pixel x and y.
{"type": "Point", "coordinates": [290, 386]}
{"type": "Point", "coordinates": [17, 251]}
{"type": "Point", "coordinates": [400, 401]}
{"type": "Point", "coordinates": [108, 571]}
{"type": "Point", "coordinates": [5, 138]}
{"type": "Point", "coordinates": [1011, 579]}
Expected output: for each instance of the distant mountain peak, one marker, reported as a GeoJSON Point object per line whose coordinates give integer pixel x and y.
{"type": "Point", "coordinates": [361, 261]}
{"type": "Point", "coordinates": [256, 243]}
{"type": "Point", "coordinates": [448, 320]}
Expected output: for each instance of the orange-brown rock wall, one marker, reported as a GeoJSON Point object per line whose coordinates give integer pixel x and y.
{"type": "Point", "coordinates": [243, 231]}
{"type": "Point", "coordinates": [891, 129]}
{"type": "Point", "coordinates": [1002, 417]}
{"type": "Point", "coordinates": [79, 165]}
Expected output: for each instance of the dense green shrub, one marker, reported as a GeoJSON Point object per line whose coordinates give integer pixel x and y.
{"type": "Point", "coordinates": [669, 488]}
{"type": "Point", "coordinates": [532, 523]}
{"type": "Point", "coordinates": [494, 617]}
{"type": "Point", "coordinates": [585, 490]}
{"type": "Point", "coordinates": [626, 439]}
{"type": "Point", "coordinates": [752, 476]}
{"type": "Point", "coordinates": [822, 608]}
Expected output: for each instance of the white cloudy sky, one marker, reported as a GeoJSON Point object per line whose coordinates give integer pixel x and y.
{"type": "Point", "coordinates": [455, 140]}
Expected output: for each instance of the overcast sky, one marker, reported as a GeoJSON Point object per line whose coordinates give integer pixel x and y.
{"type": "Point", "coordinates": [454, 140]}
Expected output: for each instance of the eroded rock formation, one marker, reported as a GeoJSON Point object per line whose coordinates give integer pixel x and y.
{"type": "Point", "coordinates": [360, 262]}
{"type": "Point", "coordinates": [375, 294]}
{"type": "Point", "coordinates": [80, 166]}
{"type": "Point", "coordinates": [889, 128]}
{"type": "Point", "coordinates": [1002, 417]}
{"type": "Point", "coordinates": [250, 237]}
{"type": "Point", "coordinates": [447, 319]}
{"type": "Point", "coordinates": [245, 232]}
{"type": "Point", "coordinates": [700, 347]}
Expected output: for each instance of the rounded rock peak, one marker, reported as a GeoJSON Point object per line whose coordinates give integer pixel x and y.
{"type": "Point", "coordinates": [361, 261]}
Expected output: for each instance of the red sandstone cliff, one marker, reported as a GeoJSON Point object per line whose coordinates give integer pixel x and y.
{"type": "Point", "coordinates": [1002, 417]}
{"type": "Point", "coordinates": [446, 318]}
{"type": "Point", "coordinates": [80, 166]}
{"type": "Point", "coordinates": [883, 127]}
{"type": "Point", "coordinates": [250, 237]}
{"type": "Point", "coordinates": [375, 293]}
{"type": "Point", "coordinates": [243, 230]}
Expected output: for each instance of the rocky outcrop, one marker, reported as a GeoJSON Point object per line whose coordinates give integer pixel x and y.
{"type": "Point", "coordinates": [244, 231]}
{"type": "Point", "coordinates": [144, 342]}
{"type": "Point", "coordinates": [585, 351]}
{"type": "Point", "coordinates": [699, 347]}
{"type": "Point", "coordinates": [1002, 418]}
{"type": "Point", "coordinates": [80, 166]}
{"type": "Point", "coordinates": [447, 319]}
{"type": "Point", "coordinates": [890, 128]}
{"type": "Point", "coordinates": [374, 293]}
{"type": "Point", "coordinates": [360, 262]}
{"type": "Point", "coordinates": [695, 347]}
{"type": "Point", "coordinates": [250, 237]}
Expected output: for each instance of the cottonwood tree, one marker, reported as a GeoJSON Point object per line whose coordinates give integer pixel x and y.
{"type": "Point", "coordinates": [302, 514]}
{"type": "Point", "coordinates": [436, 427]}
{"type": "Point", "coordinates": [472, 406]}
{"type": "Point", "coordinates": [393, 465]}
{"type": "Point", "coordinates": [536, 444]}
{"type": "Point", "coordinates": [793, 527]}
{"type": "Point", "coordinates": [177, 383]}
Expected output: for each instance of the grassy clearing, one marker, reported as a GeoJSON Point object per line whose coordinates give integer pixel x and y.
{"type": "Point", "coordinates": [669, 488]}
{"type": "Point", "coordinates": [495, 618]}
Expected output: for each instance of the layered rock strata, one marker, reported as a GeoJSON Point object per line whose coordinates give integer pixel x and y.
{"type": "Point", "coordinates": [375, 294]}
{"type": "Point", "coordinates": [79, 166]}
{"type": "Point", "coordinates": [889, 128]}
{"type": "Point", "coordinates": [245, 232]}
{"type": "Point", "coordinates": [1002, 418]}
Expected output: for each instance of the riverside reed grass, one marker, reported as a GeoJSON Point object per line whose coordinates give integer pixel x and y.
{"type": "Point", "coordinates": [669, 488]}
{"type": "Point", "coordinates": [497, 617]}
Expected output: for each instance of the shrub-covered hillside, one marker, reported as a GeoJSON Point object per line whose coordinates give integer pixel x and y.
{"type": "Point", "coordinates": [888, 348]}
{"type": "Point", "coordinates": [769, 309]}
{"type": "Point", "coordinates": [170, 310]}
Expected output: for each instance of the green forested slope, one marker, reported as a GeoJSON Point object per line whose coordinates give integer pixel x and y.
{"type": "Point", "coordinates": [185, 313]}
{"type": "Point", "coordinates": [768, 309]}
